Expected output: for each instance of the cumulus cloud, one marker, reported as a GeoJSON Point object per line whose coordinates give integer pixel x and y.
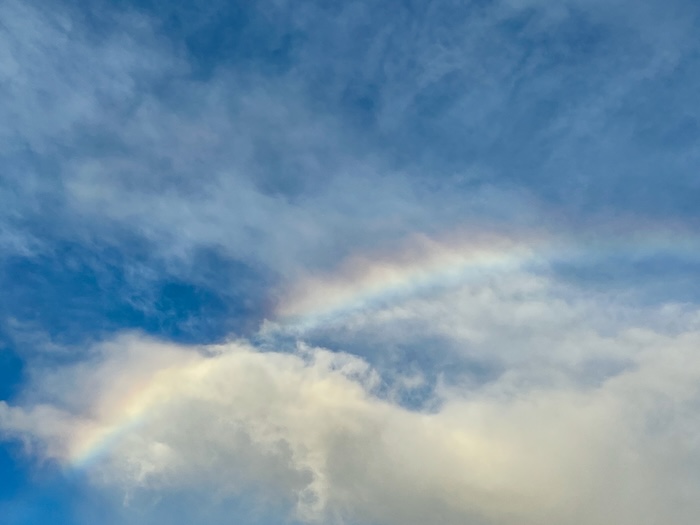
{"type": "Point", "coordinates": [314, 428]}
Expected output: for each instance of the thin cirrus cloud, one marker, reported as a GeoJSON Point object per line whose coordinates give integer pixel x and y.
{"type": "Point", "coordinates": [357, 264]}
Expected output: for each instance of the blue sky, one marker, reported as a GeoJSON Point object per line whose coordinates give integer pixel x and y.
{"type": "Point", "coordinates": [342, 262]}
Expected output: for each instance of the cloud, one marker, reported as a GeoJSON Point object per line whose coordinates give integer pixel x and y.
{"type": "Point", "coordinates": [311, 167]}
{"type": "Point", "coordinates": [136, 148]}
{"type": "Point", "coordinates": [537, 443]}
{"type": "Point", "coordinates": [490, 301]}
{"type": "Point", "coordinates": [133, 144]}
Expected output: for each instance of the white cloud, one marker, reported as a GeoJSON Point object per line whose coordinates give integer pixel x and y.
{"type": "Point", "coordinates": [310, 428]}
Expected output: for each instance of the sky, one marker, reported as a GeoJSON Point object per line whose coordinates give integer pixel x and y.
{"type": "Point", "coordinates": [349, 263]}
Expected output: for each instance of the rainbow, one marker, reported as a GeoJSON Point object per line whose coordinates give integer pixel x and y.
{"type": "Point", "coordinates": [422, 264]}
{"type": "Point", "coordinates": [128, 413]}
{"type": "Point", "coordinates": [426, 264]}
{"type": "Point", "coordinates": [97, 438]}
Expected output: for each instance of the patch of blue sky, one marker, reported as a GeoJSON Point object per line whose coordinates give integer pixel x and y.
{"type": "Point", "coordinates": [77, 292]}
{"type": "Point", "coordinates": [411, 370]}
{"type": "Point", "coordinates": [656, 279]}
{"type": "Point", "coordinates": [216, 35]}
{"type": "Point", "coordinates": [33, 495]}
